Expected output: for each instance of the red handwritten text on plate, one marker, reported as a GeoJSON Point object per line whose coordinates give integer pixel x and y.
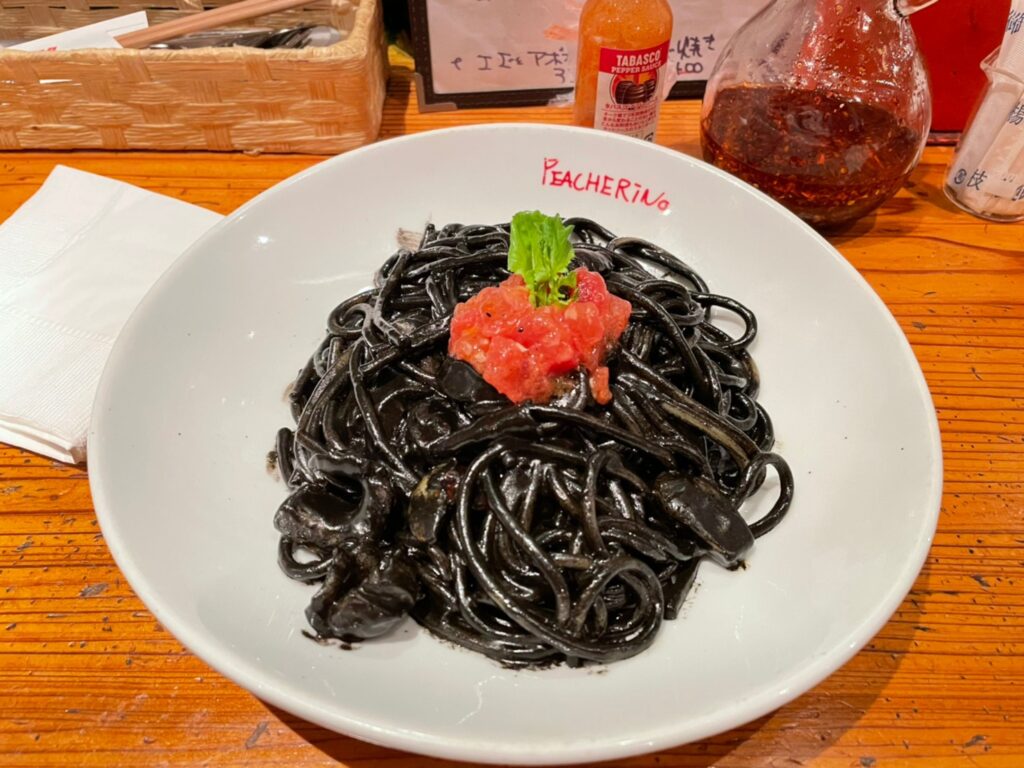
{"type": "Point", "coordinates": [616, 187]}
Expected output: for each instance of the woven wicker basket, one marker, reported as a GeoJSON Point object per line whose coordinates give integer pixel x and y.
{"type": "Point", "coordinates": [316, 100]}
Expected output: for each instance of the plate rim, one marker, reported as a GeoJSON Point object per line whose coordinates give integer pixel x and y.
{"type": "Point", "coordinates": [744, 711]}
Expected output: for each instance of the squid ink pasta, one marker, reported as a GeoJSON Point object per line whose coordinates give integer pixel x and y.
{"type": "Point", "coordinates": [534, 533]}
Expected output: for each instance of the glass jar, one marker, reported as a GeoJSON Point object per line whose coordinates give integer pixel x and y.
{"type": "Point", "coordinates": [822, 104]}
{"type": "Point", "coordinates": [986, 175]}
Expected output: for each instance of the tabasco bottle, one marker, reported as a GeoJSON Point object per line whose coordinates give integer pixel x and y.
{"type": "Point", "coordinates": [621, 65]}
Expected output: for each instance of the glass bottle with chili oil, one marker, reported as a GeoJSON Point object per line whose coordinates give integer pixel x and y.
{"type": "Point", "coordinates": [822, 104]}
{"type": "Point", "coordinates": [621, 65]}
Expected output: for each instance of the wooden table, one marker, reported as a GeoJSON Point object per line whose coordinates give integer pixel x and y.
{"type": "Point", "coordinates": [88, 678]}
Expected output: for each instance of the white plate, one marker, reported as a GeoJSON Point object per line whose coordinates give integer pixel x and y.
{"type": "Point", "coordinates": [194, 392]}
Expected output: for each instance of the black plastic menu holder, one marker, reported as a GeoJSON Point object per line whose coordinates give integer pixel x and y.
{"type": "Point", "coordinates": [431, 101]}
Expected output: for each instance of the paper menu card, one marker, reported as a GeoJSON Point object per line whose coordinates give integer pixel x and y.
{"type": "Point", "coordinates": [488, 46]}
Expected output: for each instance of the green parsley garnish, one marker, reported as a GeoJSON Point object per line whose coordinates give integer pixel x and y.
{"type": "Point", "coordinates": [540, 251]}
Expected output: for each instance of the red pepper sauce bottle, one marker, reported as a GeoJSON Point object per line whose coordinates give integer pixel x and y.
{"type": "Point", "coordinates": [621, 65]}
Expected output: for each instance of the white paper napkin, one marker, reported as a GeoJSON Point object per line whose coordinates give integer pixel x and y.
{"type": "Point", "coordinates": [75, 260]}
{"type": "Point", "coordinates": [102, 34]}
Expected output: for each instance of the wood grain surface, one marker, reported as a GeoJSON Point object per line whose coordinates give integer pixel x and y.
{"type": "Point", "coordinates": [89, 678]}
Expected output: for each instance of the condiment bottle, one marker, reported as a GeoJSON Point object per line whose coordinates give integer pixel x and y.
{"type": "Point", "coordinates": [822, 104]}
{"type": "Point", "coordinates": [621, 65]}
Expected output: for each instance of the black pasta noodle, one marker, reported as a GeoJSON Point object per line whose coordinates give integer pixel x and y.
{"type": "Point", "coordinates": [533, 534]}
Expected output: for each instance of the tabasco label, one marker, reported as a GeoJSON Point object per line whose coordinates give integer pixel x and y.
{"type": "Point", "coordinates": [629, 86]}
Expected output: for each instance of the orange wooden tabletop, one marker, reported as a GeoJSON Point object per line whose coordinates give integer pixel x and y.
{"type": "Point", "coordinates": [89, 678]}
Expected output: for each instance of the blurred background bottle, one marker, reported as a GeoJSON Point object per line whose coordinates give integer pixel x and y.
{"type": "Point", "coordinates": [954, 38]}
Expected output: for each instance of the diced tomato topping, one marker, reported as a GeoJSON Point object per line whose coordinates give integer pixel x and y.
{"type": "Point", "coordinates": [599, 386]}
{"type": "Point", "coordinates": [523, 351]}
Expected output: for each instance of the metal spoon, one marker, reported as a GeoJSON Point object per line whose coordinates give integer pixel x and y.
{"type": "Point", "coordinates": [289, 37]}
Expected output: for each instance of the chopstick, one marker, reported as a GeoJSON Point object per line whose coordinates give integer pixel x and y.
{"type": "Point", "coordinates": [197, 22]}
